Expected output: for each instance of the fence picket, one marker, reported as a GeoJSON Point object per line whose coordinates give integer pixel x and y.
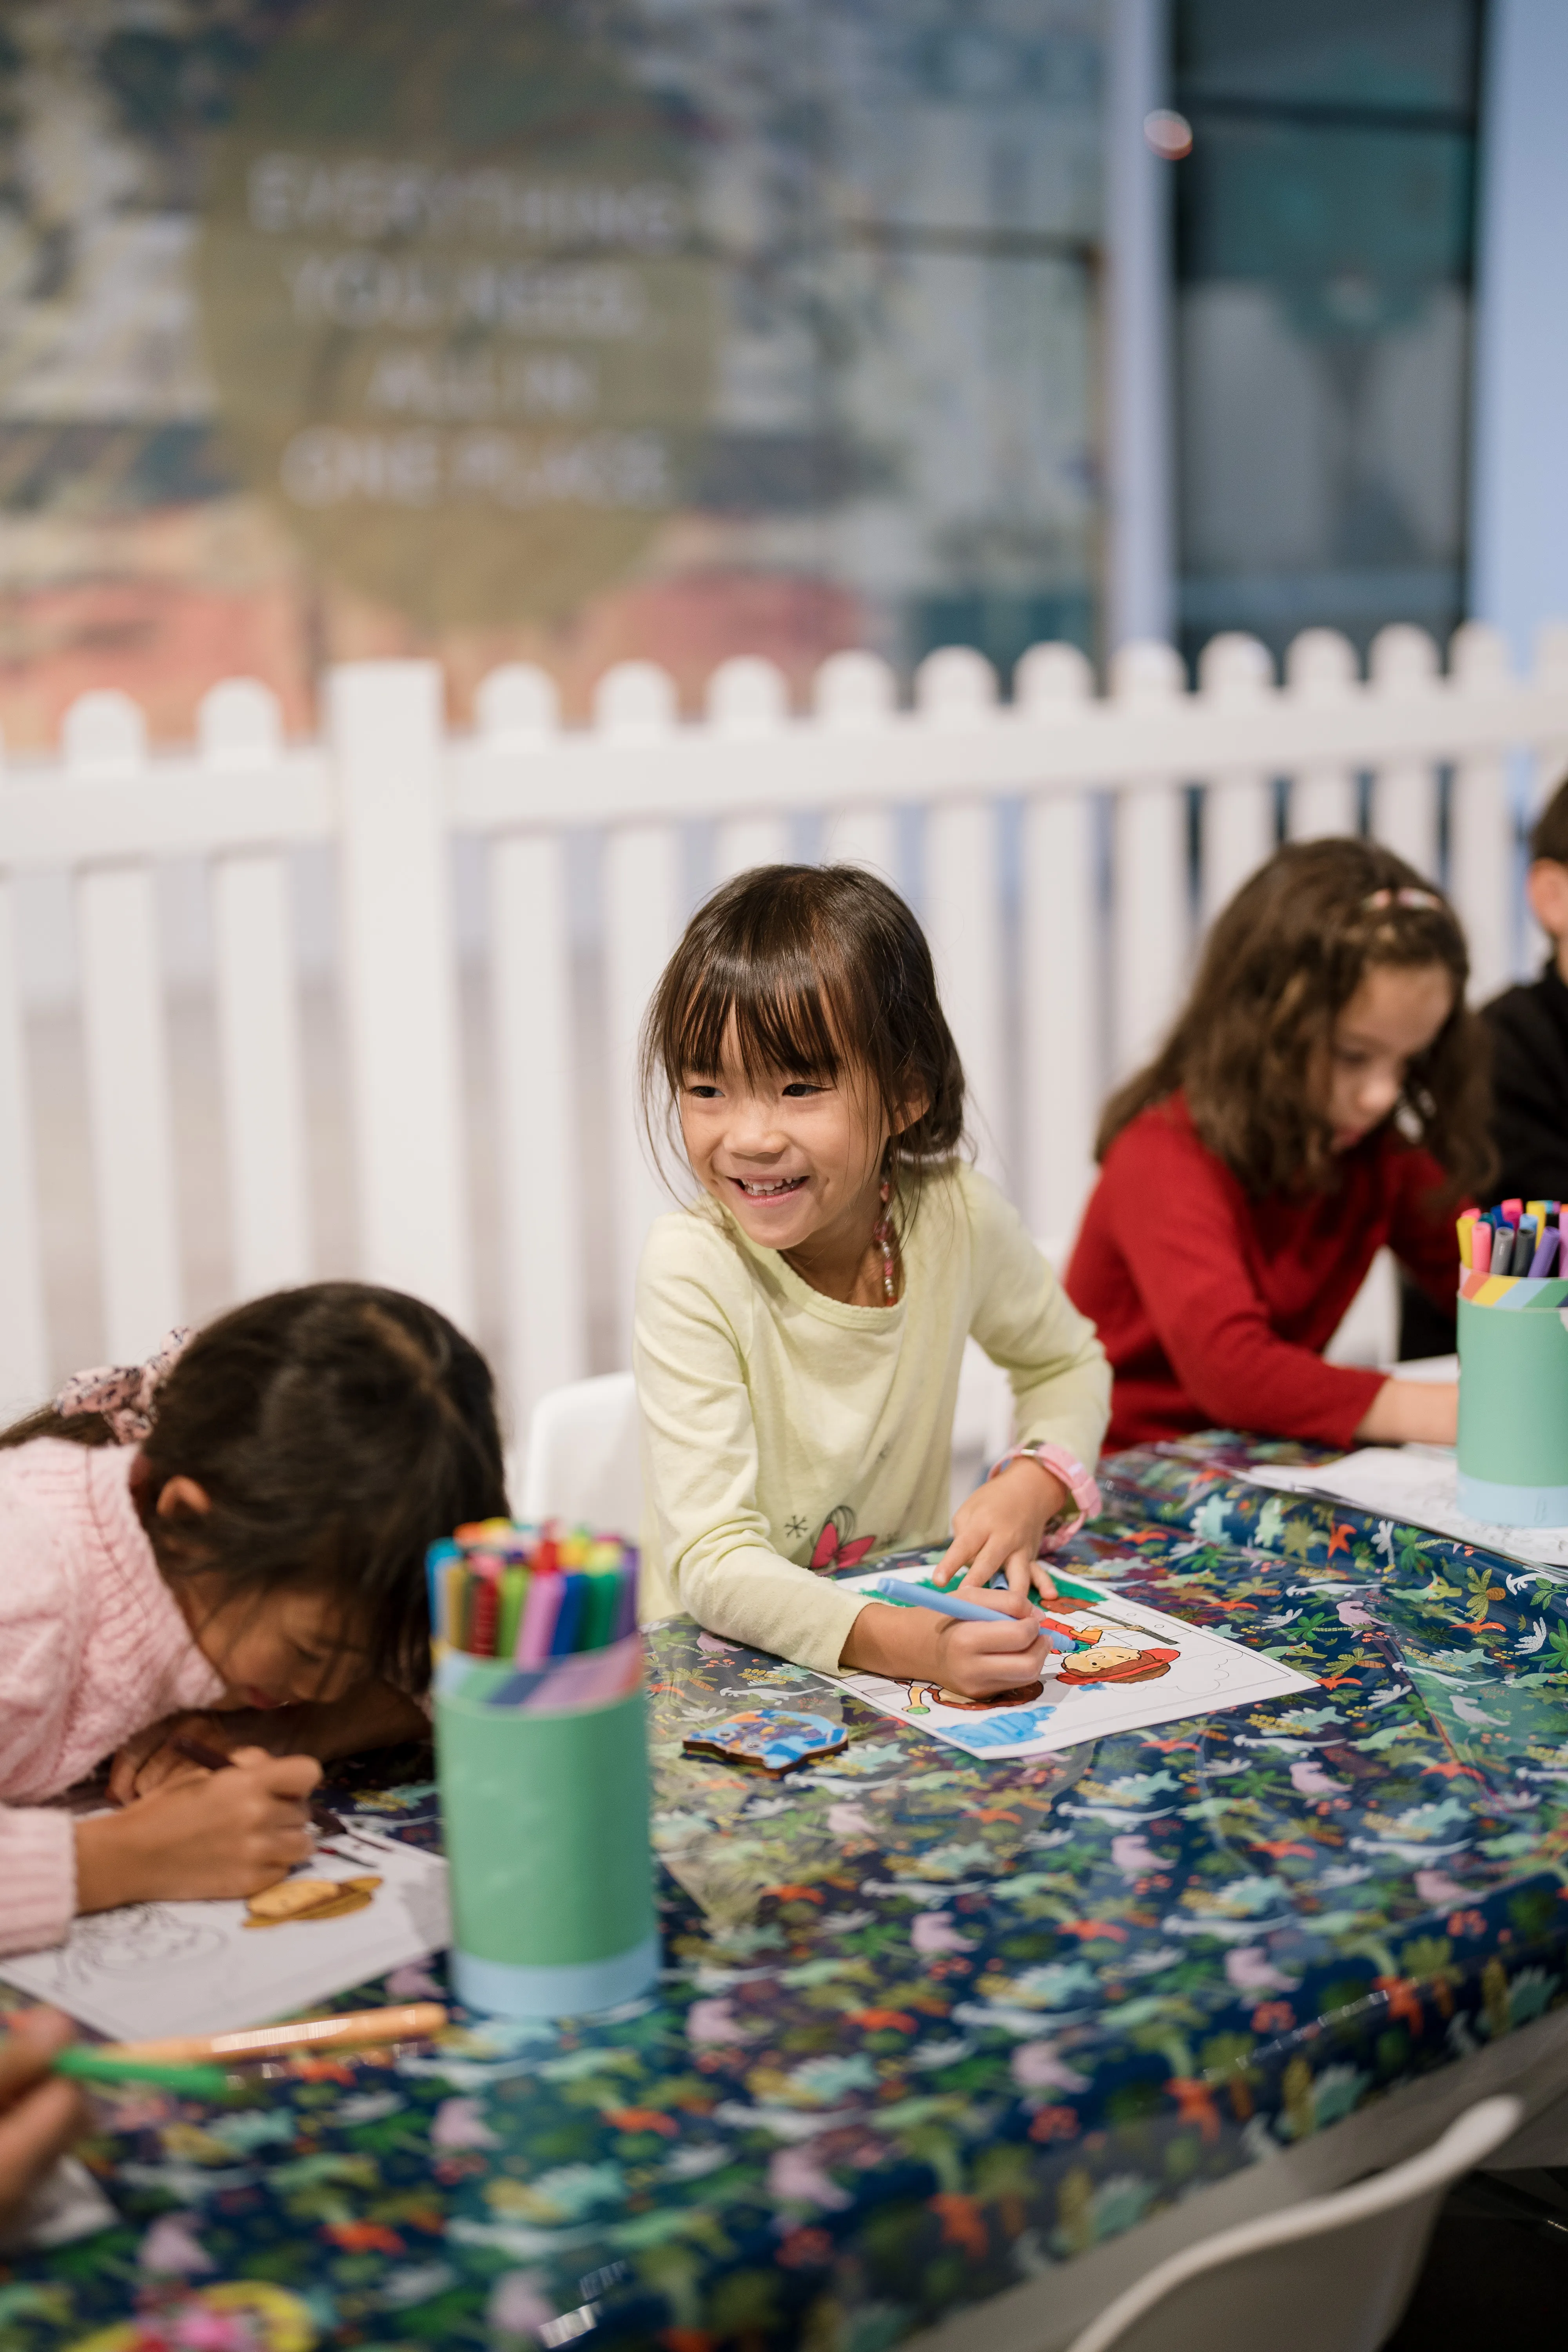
{"type": "Point", "coordinates": [1321, 669]}
{"type": "Point", "coordinates": [748, 701]}
{"type": "Point", "coordinates": [24, 1343]}
{"type": "Point", "coordinates": [400, 981]}
{"type": "Point", "coordinates": [635, 707]}
{"type": "Point", "coordinates": [1481, 864]}
{"type": "Point", "coordinates": [957, 688]}
{"type": "Point", "coordinates": [856, 695]}
{"type": "Point", "coordinates": [1551, 760]}
{"type": "Point", "coordinates": [126, 1043]}
{"type": "Point", "coordinates": [258, 1013]}
{"type": "Point", "coordinates": [1097, 975]}
{"type": "Point", "coordinates": [1150, 918]}
{"type": "Point", "coordinates": [1403, 665]}
{"type": "Point", "coordinates": [1235, 672]}
{"type": "Point", "coordinates": [1062, 994]}
{"type": "Point", "coordinates": [535, 1061]}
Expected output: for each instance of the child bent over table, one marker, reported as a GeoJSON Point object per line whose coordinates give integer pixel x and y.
{"type": "Point", "coordinates": [238, 1526]}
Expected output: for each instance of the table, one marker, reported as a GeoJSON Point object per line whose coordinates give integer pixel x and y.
{"type": "Point", "coordinates": [935, 2028]}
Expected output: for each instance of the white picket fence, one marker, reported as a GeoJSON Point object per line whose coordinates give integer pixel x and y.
{"type": "Point", "coordinates": [1062, 849]}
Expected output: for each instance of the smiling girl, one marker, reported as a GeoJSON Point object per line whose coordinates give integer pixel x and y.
{"type": "Point", "coordinates": [799, 1328]}
{"type": "Point", "coordinates": [1322, 1092]}
{"type": "Point", "coordinates": [238, 1526]}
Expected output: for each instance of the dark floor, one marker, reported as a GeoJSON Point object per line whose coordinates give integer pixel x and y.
{"type": "Point", "coordinates": [1497, 2271]}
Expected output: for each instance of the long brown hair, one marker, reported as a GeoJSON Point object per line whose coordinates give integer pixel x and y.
{"type": "Point", "coordinates": [1279, 966]}
{"type": "Point", "coordinates": [337, 1430]}
{"type": "Point", "coordinates": [817, 967]}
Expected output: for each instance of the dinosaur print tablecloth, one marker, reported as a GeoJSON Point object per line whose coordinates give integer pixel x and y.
{"type": "Point", "coordinates": [928, 2025]}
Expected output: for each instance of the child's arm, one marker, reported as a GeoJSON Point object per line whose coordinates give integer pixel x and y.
{"type": "Point", "coordinates": [40, 2113]}
{"type": "Point", "coordinates": [374, 1716]}
{"type": "Point", "coordinates": [700, 1456]}
{"type": "Point", "coordinates": [225, 1833]}
{"type": "Point", "coordinates": [1061, 1396]}
{"type": "Point", "coordinates": [1412, 1412]}
{"type": "Point", "coordinates": [919, 1645]}
{"type": "Point", "coordinates": [1002, 1527]}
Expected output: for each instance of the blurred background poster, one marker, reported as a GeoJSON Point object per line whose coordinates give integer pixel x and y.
{"type": "Point", "coordinates": [569, 331]}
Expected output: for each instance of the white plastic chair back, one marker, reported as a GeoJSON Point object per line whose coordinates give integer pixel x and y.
{"type": "Point", "coordinates": [1331, 2275]}
{"type": "Point", "coordinates": [580, 1464]}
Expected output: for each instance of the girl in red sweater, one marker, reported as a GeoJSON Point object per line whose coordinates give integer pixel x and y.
{"type": "Point", "coordinates": [1322, 1092]}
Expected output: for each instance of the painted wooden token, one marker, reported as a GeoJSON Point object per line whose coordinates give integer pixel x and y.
{"type": "Point", "coordinates": [768, 1739]}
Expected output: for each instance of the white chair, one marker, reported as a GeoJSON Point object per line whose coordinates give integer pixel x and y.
{"type": "Point", "coordinates": [1369, 1330]}
{"type": "Point", "coordinates": [581, 1462]}
{"type": "Point", "coordinates": [1331, 2275]}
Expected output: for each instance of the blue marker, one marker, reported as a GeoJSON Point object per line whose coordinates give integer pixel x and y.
{"type": "Point", "coordinates": [946, 1604]}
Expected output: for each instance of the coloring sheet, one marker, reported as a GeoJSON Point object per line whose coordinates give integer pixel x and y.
{"type": "Point", "coordinates": [158, 1968]}
{"type": "Point", "coordinates": [1418, 1483]}
{"type": "Point", "coordinates": [1119, 1667]}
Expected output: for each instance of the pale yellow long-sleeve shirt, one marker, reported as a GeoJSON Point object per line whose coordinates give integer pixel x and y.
{"type": "Point", "coordinates": [781, 1426]}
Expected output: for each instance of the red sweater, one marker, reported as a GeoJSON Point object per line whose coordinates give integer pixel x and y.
{"type": "Point", "coordinates": [1215, 1307]}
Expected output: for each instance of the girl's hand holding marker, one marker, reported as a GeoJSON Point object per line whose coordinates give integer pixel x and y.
{"type": "Point", "coordinates": [995, 1649]}
{"type": "Point", "coordinates": [40, 2112]}
{"type": "Point", "coordinates": [217, 1833]}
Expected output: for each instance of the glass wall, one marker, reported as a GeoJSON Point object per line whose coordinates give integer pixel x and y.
{"type": "Point", "coordinates": [1324, 261]}
{"type": "Point", "coordinates": [570, 331]}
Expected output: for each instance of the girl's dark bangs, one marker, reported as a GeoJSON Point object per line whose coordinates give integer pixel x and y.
{"type": "Point", "coordinates": [781, 1021]}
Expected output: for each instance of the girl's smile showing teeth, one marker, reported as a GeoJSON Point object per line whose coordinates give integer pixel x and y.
{"type": "Point", "coordinates": [756, 1190]}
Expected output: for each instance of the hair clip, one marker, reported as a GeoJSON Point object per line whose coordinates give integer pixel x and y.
{"type": "Point", "coordinates": [1376, 901]}
{"type": "Point", "coordinates": [123, 1393]}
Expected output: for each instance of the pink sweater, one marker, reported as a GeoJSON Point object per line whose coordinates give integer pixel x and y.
{"type": "Point", "coordinates": [92, 1648]}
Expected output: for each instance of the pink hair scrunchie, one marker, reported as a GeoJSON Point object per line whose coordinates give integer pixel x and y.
{"type": "Point", "coordinates": [124, 1394]}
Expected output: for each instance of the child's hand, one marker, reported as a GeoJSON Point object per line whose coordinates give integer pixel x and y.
{"type": "Point", "coordinates": [1000, 1526]}
{"type": "Point", "coordinates": [219, 1833]}
{"type": "Point", "coordinates": [372, 1714]}
{"type": "Point", "coordinates": [40, 2113]}
{"type": "Point", "coordinates": [957, 1653]}
{"type": "Point", "coordinates": [152, 1760]}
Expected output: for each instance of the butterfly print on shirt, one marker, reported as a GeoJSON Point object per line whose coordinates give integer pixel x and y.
{"type": "Point", "coordinates": [833, 1548]}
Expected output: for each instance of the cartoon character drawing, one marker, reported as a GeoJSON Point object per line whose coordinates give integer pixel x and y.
{"type": "Point", "coordinates": [1093, 1655]}
{"type": "Point", "coordinates": [923, 1696]}
{"type": "Point", "coordinates": [832, 1550]}
{"type": "Point", "coordinates": [137, 1941]}
{"type": "Point", "coordinates": [1087, 1655]}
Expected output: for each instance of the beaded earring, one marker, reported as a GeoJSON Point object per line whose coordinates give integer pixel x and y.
{"type": "Point", "coordinates": [882, 1234]}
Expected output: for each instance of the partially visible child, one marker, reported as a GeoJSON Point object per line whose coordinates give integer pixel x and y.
{"type": "Point", "coordinates": [1322, 1092]}
{"type": "Point", "coordinates": [800, 1327]}
{"type": "Point", "coordinates": [40, 2113]}
{"type": "Point", "coordinates": [239, 1527]}
{"type": "Point", "coordinates": [1528, 1027]}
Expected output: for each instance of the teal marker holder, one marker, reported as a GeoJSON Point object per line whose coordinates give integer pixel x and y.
{"type": "Point", "coordinates": [1513, 1403]}
{"type": "Point", "coordinates": [546, 1824]}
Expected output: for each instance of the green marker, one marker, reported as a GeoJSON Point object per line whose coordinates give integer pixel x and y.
{"type": "Point", "coordinates": [509, 1613]}
{"type": "Point", "coordinates": [85, 2065]}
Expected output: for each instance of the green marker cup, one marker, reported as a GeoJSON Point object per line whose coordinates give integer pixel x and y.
{"type": "Point", "coordinates": [1513, 1403]}
{"type": "Point", "coordinates": [545, 1807]}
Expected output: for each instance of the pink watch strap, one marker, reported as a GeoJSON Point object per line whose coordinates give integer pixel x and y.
{"type": "Point", "coordinates": [1079, 1482]}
